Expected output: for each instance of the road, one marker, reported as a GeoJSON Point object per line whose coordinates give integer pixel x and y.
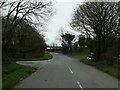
{"type": "Point", "coordinates": [66, 72]}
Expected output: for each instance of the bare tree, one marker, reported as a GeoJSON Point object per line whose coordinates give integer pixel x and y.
{"type": "Point", "coordinates": [98, 20]}
{"type": "Point", "coordinates": [33, 12]}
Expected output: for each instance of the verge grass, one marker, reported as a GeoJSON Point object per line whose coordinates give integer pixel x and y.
{"type": "Point", "coordinates": [13, 73]}
{"type": "Point", "coordinates": [112, 70]}
{"type": "Point", "coordinates": [46, 56]}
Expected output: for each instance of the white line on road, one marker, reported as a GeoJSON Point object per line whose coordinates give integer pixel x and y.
{"type": "Point", "coordinates": [79, 85]}
{"type": "Point", "coordinates": [70, 69]}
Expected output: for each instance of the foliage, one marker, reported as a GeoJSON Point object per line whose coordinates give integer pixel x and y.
{"type": "Point", "coordinates": [99, 21]}
{"type": "Point", "coordinates": [19, 36]}
{"type": "Point", "coordinates": [26, 42]}
{"type": "Point", "coordinates": [67, 42]}
{"type": "Point", "coordinates": [82, 41]}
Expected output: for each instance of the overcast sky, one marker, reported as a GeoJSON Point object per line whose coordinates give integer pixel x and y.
{"type": "Point", "coordinates": [64, 10]}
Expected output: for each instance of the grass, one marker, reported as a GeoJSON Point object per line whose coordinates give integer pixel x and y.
{"type": "Point", "coordinates": [46, 56]}
{"type": "Point", "coordinates": [13, 73]}
{"type": "Point", "coordinates": [112, 70]}
{"type": "Point", "coordinates": [89, 62]}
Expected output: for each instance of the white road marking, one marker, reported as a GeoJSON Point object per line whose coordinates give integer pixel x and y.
{"type": "Point", "coordinates": [70, 69]}
{"type": "Point", "coordinates": [79, 85]}
{"type": "Point", "coordinates": [77, 81]}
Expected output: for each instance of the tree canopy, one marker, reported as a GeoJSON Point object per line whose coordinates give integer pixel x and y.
{"type": "Point", "coordinates": [20, 18]}
{"type": "Point", "coordinates": [100, 22]}
{"type": "Point", "coordinates": [67, 41]}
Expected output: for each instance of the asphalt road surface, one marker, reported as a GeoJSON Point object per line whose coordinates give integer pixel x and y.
{"type": "Point", "coordinates": [66, 72]}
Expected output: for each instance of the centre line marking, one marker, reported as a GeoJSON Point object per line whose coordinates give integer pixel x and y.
{"type": "Point", "coordinates": [79, 85]}
{"type": "Point", "coordinates": [70, 69]}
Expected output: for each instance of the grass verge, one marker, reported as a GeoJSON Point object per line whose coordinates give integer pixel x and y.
{"type": "Point", "coordinates": [46, 56]}
{"type": "Point", "coordinates": [112, 70]}
{"type": "Point", "coordinates": [13, 73]}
